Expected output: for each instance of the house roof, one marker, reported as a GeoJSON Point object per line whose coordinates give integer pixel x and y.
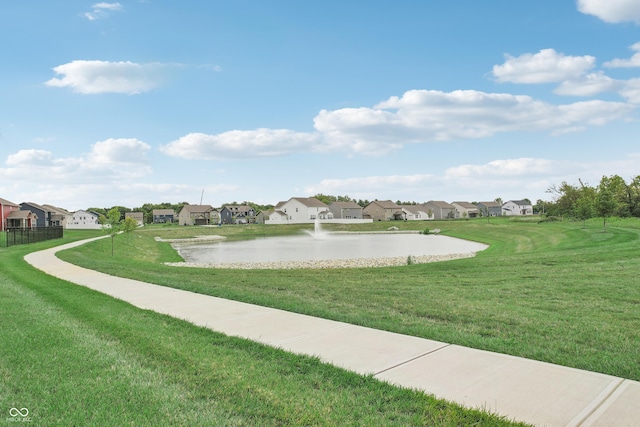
{"type": "Point", "coordinates": [197, 208]}
{"type": "Point", "coordinates": [520, 202]}
{"type": "Point", "coordinates": [35, 205]}
{"type": "Point", "coordinates": [386, 204]}
{"type": "Point", "coordinates": [57, 210]}
{"type": "Point", "coordinates": [414, 209]}
{"type": "Point", "coordinates": [238, 208]}
{"type": "Point", "coordinates": [21, 215]}
{"type": "Point", "coordinates": [8, 203]}
{"type": "Point", "coordinates": [346, 205]}
{"type": "Point", "coordinates": [164, 212]}
{"type": "Point", "coordinates": [310, 202]}
{"type": "Point", "coordinates": [82, 211]}
{"type": "Point", "coordinates": [465, 205]}
{"type": "Point", "coordinates": [491, 204]}
{"type": "Point", "coordinates": [440, 204]}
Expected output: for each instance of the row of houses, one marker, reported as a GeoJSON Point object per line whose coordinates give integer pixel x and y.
{"type": "Point", "coordinates": [294, 210]}
{"type": "Point", "coordinates": [310, 209]}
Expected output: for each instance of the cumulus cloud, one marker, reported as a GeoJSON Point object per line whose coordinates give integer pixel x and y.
{"type": "Point", "coordinates": [546, 66]}
{"type": "Point", "coordinates": [31, 158]}
{"type": "Point", "coordinates": [418, 116]}
{"type": "Point", "coordinates": [589, 85]}
{"type": "Point", "coordinates": [503, 168]}
{"type": "Point", "coordinates": [112, 160]}
{"type": "Point", "coordinates": [612, 11]}
{"type": "Point", "coordinates": [425, 115]}
{"type": "Point", "coordinates": [239, 144]}
{"type": "Point", "coordinates": [634, 61]}
{"type": "Point", "coordinates": [101, 10]}
{"type": "Point", "coordinates": [95, 77]}
{"type": "Point", "coordinates": [119, 151]}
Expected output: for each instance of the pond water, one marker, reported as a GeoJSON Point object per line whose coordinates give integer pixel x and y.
{"type": "Point", "coordinates": [324, 246]}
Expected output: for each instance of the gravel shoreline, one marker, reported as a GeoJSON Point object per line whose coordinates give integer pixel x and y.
{"type": "Point", "coordinates": [337, 263]}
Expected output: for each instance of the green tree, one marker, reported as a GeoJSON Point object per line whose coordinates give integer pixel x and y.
{"type": "Point", "coordinates": [111, 223]}
{"type": "Point", "coordinates": [605, 205]}
{"type": "Point", "coordinates": [620, 194]}
{"type": "Point", "coordinates": [583, 209]}
{"type": "Point", "coordinates": [128, 226]}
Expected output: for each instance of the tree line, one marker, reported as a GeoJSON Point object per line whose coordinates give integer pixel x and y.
{"type": "Point", "coordinates": [613, 196]}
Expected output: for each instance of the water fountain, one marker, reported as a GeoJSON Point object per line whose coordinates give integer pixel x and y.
{"type": "Point", "coordinates": [318, 232]}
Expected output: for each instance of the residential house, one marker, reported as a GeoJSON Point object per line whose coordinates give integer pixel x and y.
{"type": "Point", "coordinates": [489, 208]}
{"type": "Point", "coordinates": [440, 209]}
{"type": "Point", "coordinates": [237, 214]}
{"type": "Point", "coordinates": [6, 208]}
{"type": "Point", "coordinates": [21, 219]}
{"type": "Point", "coordinates": [418, 212]}
{"type": "Point", "coordinates": [383, 210]}
{"type": "Point", "coordinates": [43, 214]}
{"type": "Point", "coordinates": [162, 216]}
{"type": "Point", "coordinates": [299, 210]}
{"type": "Point", "coordinates": [346, 210]}
{"type": "Point", "coordinates": [138, 216]}
{"type": "Point", "coordinates": [84, 220]}
{"type": "Point", "coordinates": [59, 216]}
{"type": "Point", "coordinates": [465, 210]}
{"type": "Point", "coordinates": [263, 216]}
{"type": "Point", "coordinates": [198, 215]}
{"type": "Point", "coordinates": [517, 207]}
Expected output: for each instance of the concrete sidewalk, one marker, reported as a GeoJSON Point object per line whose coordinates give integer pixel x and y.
{"type": "Point", "coordinates": [520, 389]}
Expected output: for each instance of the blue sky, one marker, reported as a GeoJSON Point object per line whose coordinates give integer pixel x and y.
{"type": "Point", "coordinates": [129, 102]}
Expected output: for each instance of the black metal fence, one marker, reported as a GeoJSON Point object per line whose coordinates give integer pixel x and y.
{"type": "Point", "coordinates": [23, 236]}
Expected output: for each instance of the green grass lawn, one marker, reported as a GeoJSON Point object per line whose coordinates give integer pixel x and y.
{"type": "Point", "coordinates": [75, 357]}
{"type": "Point", "coordinates": [555, 292]}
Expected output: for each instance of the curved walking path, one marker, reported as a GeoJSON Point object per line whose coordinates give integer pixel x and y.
{"type": "Point", "coordinates": [521, 389]}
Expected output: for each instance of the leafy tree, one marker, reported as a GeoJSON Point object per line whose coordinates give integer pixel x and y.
{"type": "Point", "coordinates": [605, 205]}
{"type": "Point", "coordinates": [620, 194]}
{"type": "Point", "coordinates": [583, 209]}
{"type": "Point", "coordinates": [111, 223]}
{"type": "Point", "coordinates": [128, 226]}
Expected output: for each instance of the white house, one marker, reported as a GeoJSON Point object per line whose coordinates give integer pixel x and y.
{"type": "Point", "coordinates": [517, 207]}
{"type": "Point", "coordinates": [416, 212]}
{"type": "Point", "coordinates": [299, 210]}
{"type": "Point", "coordinates": [84, 220]}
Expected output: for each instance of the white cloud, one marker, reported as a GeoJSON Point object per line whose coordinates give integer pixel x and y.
{"type": "Point", "coordinates": [423, 116]}
{"type": "Point", "coordinates": [589, 85]}
{"type": "Point", "coordinates": [631, 90]}
{"type": "Point", "coordinates": [419, 116]}
{"type": "Point", "coordinates": [119, 151]}
{"type": "Point", "coordinates": [545, 66]}
{"type": "Point", "coordinates": [101, 10]}
{"type": "Point", "coordinates": [94, 77]}
{"type": "Point", "coordinates": [112, 160]}
{"type": "Point", "coordinates": [634, 61]}
{"type": "Point", "coordinates": [238, 144]}
{"type": "Point", "coordinates": [503, 168]}
{"type": "Point", "coordinates": [612, 11]}
{"type": "Point", "coordinates": [31, 158]}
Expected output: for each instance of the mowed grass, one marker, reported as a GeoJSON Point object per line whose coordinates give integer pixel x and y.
{"type": "Point", "coordinates": [555, 292]}
{"type": "Point", "coordinates": [73, 356]}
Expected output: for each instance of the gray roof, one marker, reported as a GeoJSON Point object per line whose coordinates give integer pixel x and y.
{"type": "Point", "coordinates": [466, 205]}
{"type": "Point", "coordinates": [386, 204]}
{"type": "Point", "coordinates": [346, 205]}
{"type": "Point", "coordinates": [520, 202]}
{"type": "Point", "coordinates": [440, 204]}
{"type": "Point", "coordinates": [310, 202]}
{"type": "Point", "coordinates": [197, 208]}
{"type": "Point", "coordinates": [8, 203]}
